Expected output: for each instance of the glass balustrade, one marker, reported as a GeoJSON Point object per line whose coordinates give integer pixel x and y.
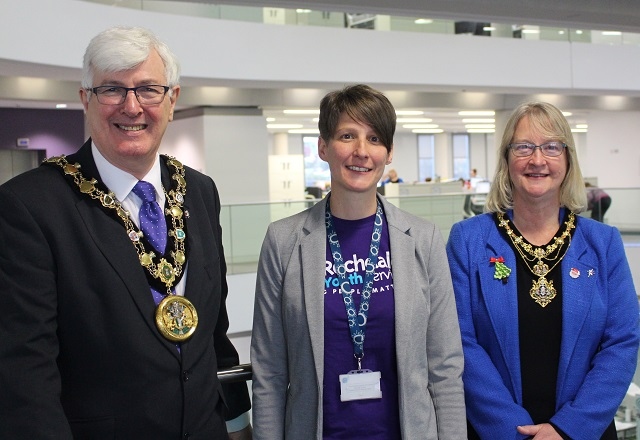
{"type": "Point", "coordinates": [244, 225]}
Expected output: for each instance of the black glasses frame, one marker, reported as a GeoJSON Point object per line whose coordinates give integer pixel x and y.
{"type": "Point", "coordinates": [126, 90]}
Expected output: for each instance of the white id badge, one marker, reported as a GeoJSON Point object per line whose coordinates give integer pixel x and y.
{"type": "Point", "coordinates": [358, 385]}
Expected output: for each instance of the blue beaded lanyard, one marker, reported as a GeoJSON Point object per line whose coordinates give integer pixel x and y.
{"type": "Point", "coordinates": [357, 320]}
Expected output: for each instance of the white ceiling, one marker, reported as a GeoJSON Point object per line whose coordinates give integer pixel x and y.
{"type": "Point", "coordinates": [623, 15]}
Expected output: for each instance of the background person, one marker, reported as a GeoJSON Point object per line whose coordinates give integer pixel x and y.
{"type": "Point", "coordinates": [547, 307]}
{"type": "Point", "coordinates": [302, 344]}
{"type": "Point", "coordinates": [598, 202]}
{"type": "Point", "coordinates": [391, 177]}
{"type": "Point", "coordinates": [85, 352]}
{"type": "Point", "coordinates": [474, 178]}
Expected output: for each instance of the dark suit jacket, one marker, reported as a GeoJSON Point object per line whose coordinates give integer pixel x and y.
{"type": "Point", "coordinates": [79, 350]}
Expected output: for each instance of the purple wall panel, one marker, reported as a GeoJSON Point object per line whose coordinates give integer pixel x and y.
{"type": "Point", "coordinates": [54, 131]}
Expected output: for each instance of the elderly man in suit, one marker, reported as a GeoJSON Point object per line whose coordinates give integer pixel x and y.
{"type": "Point", "coordinates": [108, 330]}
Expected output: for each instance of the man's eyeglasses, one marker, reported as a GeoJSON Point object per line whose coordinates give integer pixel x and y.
{"type": "Point", "coordinates": [549, 149]}
{"type": "Point", "coordinates": [116, 95]}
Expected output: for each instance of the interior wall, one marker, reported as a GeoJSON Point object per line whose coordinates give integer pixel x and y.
{"type": "Point", "coordinates": [236, 157]}
{"type": "Point", "coordinates": [184, 140]}
{"type": "Point", "coordinates": [53, 131]}
{"type": "Point", "coordinates": [405, 156]}
{"type": "Point", "coordinates": [612, 153]}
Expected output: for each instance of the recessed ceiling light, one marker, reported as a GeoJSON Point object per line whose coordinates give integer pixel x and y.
{"type": "Point", "coordinates": [304, 131]}
{"type": "Point", "coordinates": [492, 126]}
{"type": "Point", "coordinates": [409, 112]}
{"type": "Point", "coordinates": [479, 120]}
{"type": "Point", "coordinates": [415, 120]}
{"type": "Point", "coordinates": [427, 130]}
{"type": "Point", "coordinates": [480, 130]}
{"type": "Point", "coordinates": [477, 113]}
{"type": "Point", "coordinates": [301, 112]}
{"type": "Point", "coordinates": [284, 125]}
{"type": "Point", "coordinates": [423, 21]}
{"type": "Point", "coordinates": [420, 126]}
{"type": "Point", "coordinates": [61, 105]}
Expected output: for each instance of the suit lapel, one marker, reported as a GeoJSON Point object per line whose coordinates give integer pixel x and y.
{"type": "Point", "coordinates": [198, 279]}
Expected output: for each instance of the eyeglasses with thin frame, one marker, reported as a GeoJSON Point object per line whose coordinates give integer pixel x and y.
{"type": "Point", "coordinates": [116, 95]}
{"type": "Point", "coordinates": [549, 149]}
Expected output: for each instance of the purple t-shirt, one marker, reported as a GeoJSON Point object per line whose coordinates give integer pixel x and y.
{"type": "Point", "coordinates": [370, 418]}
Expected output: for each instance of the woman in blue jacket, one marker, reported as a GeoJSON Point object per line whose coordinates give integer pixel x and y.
{"type": "Point", "coordinates": [547, 307]}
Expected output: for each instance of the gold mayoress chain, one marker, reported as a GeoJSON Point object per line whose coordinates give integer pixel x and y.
{"type": "Point", "coordinates": [542, 290]}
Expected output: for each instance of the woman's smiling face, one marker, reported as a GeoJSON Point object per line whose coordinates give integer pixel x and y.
{"type": "Point", "coordinates": [537, 177]}
{"type": "Point", "coordinates": [356, 156]}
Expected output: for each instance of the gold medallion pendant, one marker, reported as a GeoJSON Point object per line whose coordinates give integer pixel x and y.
{"type": "Point", "coordinates": [542, 291]}
{"type": "Point", "coordinates": [176, 318]}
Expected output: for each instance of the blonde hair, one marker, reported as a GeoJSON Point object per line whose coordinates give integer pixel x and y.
{"type": "Point", "coordinates": [549, 122]}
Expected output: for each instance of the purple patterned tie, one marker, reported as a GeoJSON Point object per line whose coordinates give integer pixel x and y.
{"type": "Point", "coordinates": [153, 225]}
{"type": "Point", "coordinates": [152, 222]}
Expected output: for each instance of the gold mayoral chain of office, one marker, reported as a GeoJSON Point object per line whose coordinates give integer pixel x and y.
{"type": "Point", "coordinates": [176, 317]}
{"type": "Point", "coordinates": [542, 290]}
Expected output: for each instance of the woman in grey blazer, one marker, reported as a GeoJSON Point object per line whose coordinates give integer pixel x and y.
{"type": "Point", "coordinates": [318, 296]}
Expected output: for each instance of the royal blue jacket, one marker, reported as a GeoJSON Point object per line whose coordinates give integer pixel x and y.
{"type": "Point", "coordinates": [599, 344]}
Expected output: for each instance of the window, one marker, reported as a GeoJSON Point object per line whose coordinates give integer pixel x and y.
{"type": "Point", "coordinates": [316, 170]}
{"type": "Point", "coordinates": [460, 156]}
{"type": "Point", "coordinates": [426, 163]}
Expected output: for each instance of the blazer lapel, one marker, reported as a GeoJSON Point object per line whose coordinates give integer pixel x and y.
{"type": "Point", "coordinates": [501, 300]}
{"type": "Point", "coordinates": [577, 292]}
{"type": "Point", "coordinates": [312, 252]}
{"type": "Point", "coordinates": [402, 249]}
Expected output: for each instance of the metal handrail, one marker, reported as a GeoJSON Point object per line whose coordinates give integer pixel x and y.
{"type": "Point", "coordinates": [238, 373]}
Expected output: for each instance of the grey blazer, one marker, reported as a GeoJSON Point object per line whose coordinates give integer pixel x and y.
{"type": "Point", "coordinates": [287, 351]}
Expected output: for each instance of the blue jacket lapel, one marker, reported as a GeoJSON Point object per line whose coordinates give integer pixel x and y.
{"type": "Point", "coordinates": [577, 293]}
{"type": "Point", "coordinates": [501, 299]}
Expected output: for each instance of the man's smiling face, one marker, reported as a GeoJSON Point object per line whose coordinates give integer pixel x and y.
{"type": "Point", "coordinates": [129, 134]}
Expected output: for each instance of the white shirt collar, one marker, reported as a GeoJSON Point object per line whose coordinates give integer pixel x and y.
{"type": "Point", "coordinates": [120, 182]}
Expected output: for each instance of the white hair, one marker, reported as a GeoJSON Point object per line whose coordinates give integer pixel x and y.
{"type": "Point", "coordinates": [123, 48]}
